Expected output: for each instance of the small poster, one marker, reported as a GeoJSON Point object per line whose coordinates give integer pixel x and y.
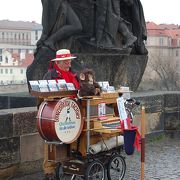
{"type": "Point", "coordinates": [102, 111]}
{"type": "Point", "coordinates": [105, 84]}
{"type": "Point", "coordinates": [111, 89]}
{"type": "Point", "coordinates": [100, 83]}
{"type": "Point", "coordinates": [70, 86]}
{"type": "Point", "coordinates": [122, 111]}
{"type": "Point", "coordinates": [34, 85]}
{"type": "Point", "coordinates": [43, 85]}
{"type": "Point", "coordinates": [61, 84]}
{"type": "Point", "coordinates": [52, 85]}
{"type": "Point", "coordinates": [61, 81]}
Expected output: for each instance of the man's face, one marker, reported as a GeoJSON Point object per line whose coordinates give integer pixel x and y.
{"type": "Point", "coordinates": [64, 64]}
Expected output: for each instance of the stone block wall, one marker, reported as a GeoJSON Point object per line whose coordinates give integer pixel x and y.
{"type": "Point", "coordinates": [172, 111]}
{"type": "Point", "coordinates": [9, 102]}
{"type": "Point", "coordinates": [162, 111]}
{"type": "Point", "coordinates": [154, 106]}
{"type": "Point", "coordinates": [21, 147]}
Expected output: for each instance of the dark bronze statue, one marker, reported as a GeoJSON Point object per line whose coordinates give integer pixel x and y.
{"type": "Point", "coordinates": [109, 23]}
{"type": "Point", "coordinates": [59, 22]}
{"type": "Point", "coordinates": [102, 33]}
{"type": "Point", "coordinates": [132, 11]}
{"type": "Point", "coordinates": [108, 19]}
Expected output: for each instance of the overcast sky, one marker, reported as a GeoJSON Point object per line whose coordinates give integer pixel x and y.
{"type": "Point", "coordinates": [158, 11]}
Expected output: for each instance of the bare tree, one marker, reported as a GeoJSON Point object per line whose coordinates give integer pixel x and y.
{"type": "Point", "coordinates": [167, 72]}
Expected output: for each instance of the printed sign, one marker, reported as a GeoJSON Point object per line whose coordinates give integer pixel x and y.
{"type": "Point", "coordinates": [68, 123]}
{"type": "Point", "coordinates": [102, 111]}
{"type": "Point", "coordinates": [122, 111]}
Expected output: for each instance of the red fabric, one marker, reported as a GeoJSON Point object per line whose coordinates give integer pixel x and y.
{"type": "Point", "coordinates": [68, 76]}
{"type": "Point", "coordinates": [63, 55]}
{"type": "Point", "coordinates": [137, 143]}
{"type": "Point", "coordinates": [129, 124]}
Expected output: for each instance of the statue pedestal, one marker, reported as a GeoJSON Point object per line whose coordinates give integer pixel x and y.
{"type": "Point", "coordinates": [116, 68]}
{"type": "Point", "coordinates": [109, 65]}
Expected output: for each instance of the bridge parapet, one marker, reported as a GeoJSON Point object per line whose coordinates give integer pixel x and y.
{"type": "Point", "coordinates": [21, 147]}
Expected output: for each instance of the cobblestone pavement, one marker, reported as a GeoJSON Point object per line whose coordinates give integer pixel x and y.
{"type": "Point", "coordinates": [162, 162]}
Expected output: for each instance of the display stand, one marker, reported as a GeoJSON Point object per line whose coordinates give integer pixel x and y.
{"type": "Point", "coordinates": [76, 157]}
{"type": "Point", "coordinates": [53, 95]}
{"type": "Point", "coordinates": [94, 129]}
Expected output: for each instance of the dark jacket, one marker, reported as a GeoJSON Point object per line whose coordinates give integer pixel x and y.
{"type": "Point", "coordinates": [52, 74]}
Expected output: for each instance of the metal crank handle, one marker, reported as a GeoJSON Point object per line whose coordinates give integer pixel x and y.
{"type": "Point", "coordinates": [74, 169]}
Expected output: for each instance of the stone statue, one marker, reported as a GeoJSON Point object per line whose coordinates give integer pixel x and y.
{"type": "Point", "coordinates": [100, 33]}
{"type": "Point", "coordinates": [109, 22]}
{"type": "Point", "coordinates": [59, 22]}
{"type": "Point", "coordinates": [132, 11]}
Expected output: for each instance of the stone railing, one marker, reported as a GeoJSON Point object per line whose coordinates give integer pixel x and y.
{"type": "Point", "coordinates": [18, 100]}
{"type": "Point", "coordinates": [21, 147]}
{"type": "Point", "coordinates": [162, 111]}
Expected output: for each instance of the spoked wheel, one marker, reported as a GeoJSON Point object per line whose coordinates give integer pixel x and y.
{"type": "Point", "coordinates": [95, 171]}
{"type": "Point", "coordinates": [116, 168]}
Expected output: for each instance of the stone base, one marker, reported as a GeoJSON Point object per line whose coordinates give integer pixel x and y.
{"type": "Point", "coordinates": [112, 65]}
{"type": "Point", "coordinates": [116, 68]}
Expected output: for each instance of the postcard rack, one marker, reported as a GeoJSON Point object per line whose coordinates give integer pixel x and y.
{"type": "Point", "coordinates": [53, 95]}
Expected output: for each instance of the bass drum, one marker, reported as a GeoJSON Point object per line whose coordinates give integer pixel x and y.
{"type": "Point", "coordinates": [60, 120]}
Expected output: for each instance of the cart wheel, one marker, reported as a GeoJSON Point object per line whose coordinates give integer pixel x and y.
{"type": "Point", "coordinates": [116, 168]}
{"type": "Point", "coordinates": [59, 171]}
{"type": "Point", "coordinates": [95, 171]}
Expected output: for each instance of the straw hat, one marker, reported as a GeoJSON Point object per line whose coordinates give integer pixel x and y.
{"type": "Point", "coordinates": [63, 54]}
{"type": "Point", "coordinates": [124, 89]}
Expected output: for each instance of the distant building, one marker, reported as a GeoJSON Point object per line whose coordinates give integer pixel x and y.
{"type": "Point", "coordinates": [163, 41]}
{"type": "Point", "coordinates": [17, 44]}
{"type": "Point", "coordinates": [13, 67]}
{"type": "Point", "coordinates": [19, 32]}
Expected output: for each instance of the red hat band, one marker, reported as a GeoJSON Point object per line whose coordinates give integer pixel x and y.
{"type": "Point", "coordinates": [63, 55]}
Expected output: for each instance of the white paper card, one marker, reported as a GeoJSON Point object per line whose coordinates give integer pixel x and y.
{"type": "Point", "coordinates": [101, 110]}
{"type": "Point", "coordinates": [121, 108]}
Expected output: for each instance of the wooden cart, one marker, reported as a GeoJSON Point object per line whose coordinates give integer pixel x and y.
{"type": "Point", "coordinates": [97, 147]}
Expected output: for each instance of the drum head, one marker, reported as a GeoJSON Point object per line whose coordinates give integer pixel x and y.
{"type": "Point", "coordinates": [68, 120]}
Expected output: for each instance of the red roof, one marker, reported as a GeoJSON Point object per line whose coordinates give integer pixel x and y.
{"type": "Point", "coordinates": [174, 33]}
{"type": "Point", "coordinates": [152, 25]}
{"type": "Point", "coordinates": [16, 56]}
{"type": "Point", "coordinates": [168, 26]}
{"type": "Point", "coordinates": [27, 61]}
{"type": "Point", "coordinates": [158, 32]}
{"type": "Point", "coordinates": [166, 30]}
